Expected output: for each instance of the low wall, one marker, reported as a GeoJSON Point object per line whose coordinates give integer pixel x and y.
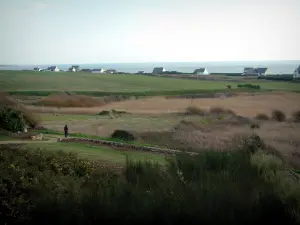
{"type": "Point", "coordinates": [121, 145]}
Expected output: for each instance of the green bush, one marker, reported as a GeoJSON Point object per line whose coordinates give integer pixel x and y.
{"type": "Point", "coordinates": [278, 115]}
{"type": "Point", "coordinates": [123, 135]}
{"type": "Point", "coordinates": [11, 120]}
{"type": "Point", "coordinates": [250, 86]}
{"type": "Point", "coordinates": [209, 188]}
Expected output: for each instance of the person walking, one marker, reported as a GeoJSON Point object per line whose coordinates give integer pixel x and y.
{"type": "Point", "coordinates": [66, 130]}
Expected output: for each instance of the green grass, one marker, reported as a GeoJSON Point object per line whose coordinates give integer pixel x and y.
{"type": "Point", "coordinates": [43, 83]}
{"type": "Point", "coordinates": [100, 152]}
{"type": "Point", "coordinates": [81, 135]}
{"type": "Point", "coordinates": [5, 138]}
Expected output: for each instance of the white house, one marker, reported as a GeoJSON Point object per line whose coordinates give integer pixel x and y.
{"type": "Point", "coordinates": [158, 70]}
{"type": "Point", "coordinates": [53, 68]}
{"type": "Point", "coordinates": [296, 73]}
{"type": "Point", "coordinates": [201, 71]}
{"type": "Point", "coordinates": [98, 70]}
{"type": "Point", "coordinates": [37, 69]}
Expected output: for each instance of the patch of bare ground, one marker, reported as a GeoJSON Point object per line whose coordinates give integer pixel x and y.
{"type": "Point", "coordinates": [244, 105]}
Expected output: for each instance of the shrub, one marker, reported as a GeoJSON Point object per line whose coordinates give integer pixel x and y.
{"type": "Point", "coordinates": [254, 125]}
{"type": "Point", "coordinates": [278, 115]}
{"type": "Point", "coordinates": [30, 119]}
{"type": "Point", "coordinates": [250, 86]}
{"type": "Point", "coordinates": [103, 113]}
{"type": "Point", "coordinates": [296, 116]}
{"type": "Point", "coordinates": [209, 188]}
{"type": "Point", "coordinates": [262, 116]}
{"type": "Point", "coordinates": [220, 110]}
{"type": "Point", "coordinates": [11, 120]}
{"type": "Point", "coordinates": [123, 135]}
{"type": "Point", "coordinates": [192, 110]}
{"type": "Point", "coordinates": [229, 87]}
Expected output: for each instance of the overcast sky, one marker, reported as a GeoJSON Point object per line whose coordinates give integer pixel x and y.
{"type": "Point", "coordinates": [99, 31]}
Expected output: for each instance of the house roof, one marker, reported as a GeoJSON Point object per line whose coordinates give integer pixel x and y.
{"type": "Point", "coordinates": [52, 67]}
{"type": "Point", "coordinates": [200, 70]}
{"type": "Point", "coordinates": [158, 69]}
{"type": "Point", "coordinates": [76, 66]}
{"type": "Point", "coordinates": [97, 69]}
{"type": "Point", "coordinates": [261, 70]}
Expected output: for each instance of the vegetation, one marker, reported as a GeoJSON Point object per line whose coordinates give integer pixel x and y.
{"type": "Point", "coordinates": [14, 110]}
{"type": "Point", "coordinates": [11, 120]}
{"type": "Point", "coordinates": [250, 86]}
{"type": "Point", "coordinates": [70, 99]}
{"type": "Point", "coordinates": [262, 116]}
{"type": "Point", "coordinates": [278, 115]}
{"type": "Point", "coordinates": [103, 85]}
{"type": "Point", "coordinates": [192, 110]}
{"type": "Point", "coordinates": [296, 116]}
{"type": "Point", "coordinates": [220, 110]}
{"type": "Point", "coordinates": [123, 135]}
{"type": "Point", "coordinates": [236, 187]}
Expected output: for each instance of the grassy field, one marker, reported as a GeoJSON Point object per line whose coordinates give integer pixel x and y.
{"type": "Point", "coordinates": [36, 82]}
{"type": "Point", "coordinates": [100, 153]}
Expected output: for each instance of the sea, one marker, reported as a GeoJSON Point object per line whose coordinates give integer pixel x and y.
{"type": "Point", "coordinates": [274, 67]}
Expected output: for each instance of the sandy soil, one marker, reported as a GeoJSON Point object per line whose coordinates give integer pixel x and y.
{"type": "Point", "coordinates": [244, 105]}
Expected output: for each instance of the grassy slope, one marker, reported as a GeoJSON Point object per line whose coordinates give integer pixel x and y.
{"type": "Point", "coordinates": [50, 81]}
{"type": "Point", "coordinates": [100, 152]}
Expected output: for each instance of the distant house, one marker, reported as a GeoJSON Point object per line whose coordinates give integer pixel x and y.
{"type": "Point", "coordinates": [37, 69]}
{"type": "Point", "coordinates": [141, 72]}
{"type": "Point", "coordinates": [86, 70]}
{"type": "Point", "coordinates": [201, 71]}
{"type": "Point", "coordinates": [158, 70]}
{"type": "Point", "coordinates": [53, 68]}
{"type": "Point", "coordinates": [74, 68]}
{"type": "Point", "coordinates": [296, 74]}
{"type": "Point", "coordinates": [98, 70]}
{"type": "Point", "coordinates": [261, 71]}
{"type": "Point", "coordinates": [111, 71]}
{"type": "Point", "coordinates": [251, 71]}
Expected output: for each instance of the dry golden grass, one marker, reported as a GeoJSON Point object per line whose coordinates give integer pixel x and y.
{"type": "Point", "coordinates": [70, 99]}
{"type": "Point", "coordinates": [244, 105]}
{"type": "Point", "coordinates": [31, 120]}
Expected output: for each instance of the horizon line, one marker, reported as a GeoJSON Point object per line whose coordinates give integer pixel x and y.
{"type": "Point", "coordinates": [265, 60]}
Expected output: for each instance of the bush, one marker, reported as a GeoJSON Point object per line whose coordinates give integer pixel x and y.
{"type": "Point", "coordinates": [103, 113]}
{"type": "Point", "coordinates": [192, 110]}
{"type": "Point", "coordinates": [220, 110]}
{"type": "Point", "coordinates": [123, 135]}
{"type": "Point", "coordinates": [209, 188]}
{"type": "Point", "coordinates": [254, 125]}
{"type": "Point", "coordinates": [30, 119]}
{"type": "Point", "coordinates": [250, 86]}
{"type": "Point", "coordinates": [11, 120]}
{"type": "Point", "coordinates": [296, 116]}
{"type": "Point", "coordinates": [262, 116]}
{"type": "Point", "coordinates": [278, 115]}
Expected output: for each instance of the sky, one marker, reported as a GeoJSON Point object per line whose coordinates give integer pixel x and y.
{"type": "Point", "coordinates": [119, 31]}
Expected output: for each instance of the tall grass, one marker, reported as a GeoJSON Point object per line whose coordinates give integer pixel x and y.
{"type": "Point", "coordinates": [70, 99]}
{"type": "Point", "coordinates": [31, 120]}
{"type": "Point", "coordinates": [210, 188]}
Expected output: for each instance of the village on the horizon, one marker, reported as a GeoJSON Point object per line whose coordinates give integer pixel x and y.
{"type": "Point", "coordinates": [248, 71]}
